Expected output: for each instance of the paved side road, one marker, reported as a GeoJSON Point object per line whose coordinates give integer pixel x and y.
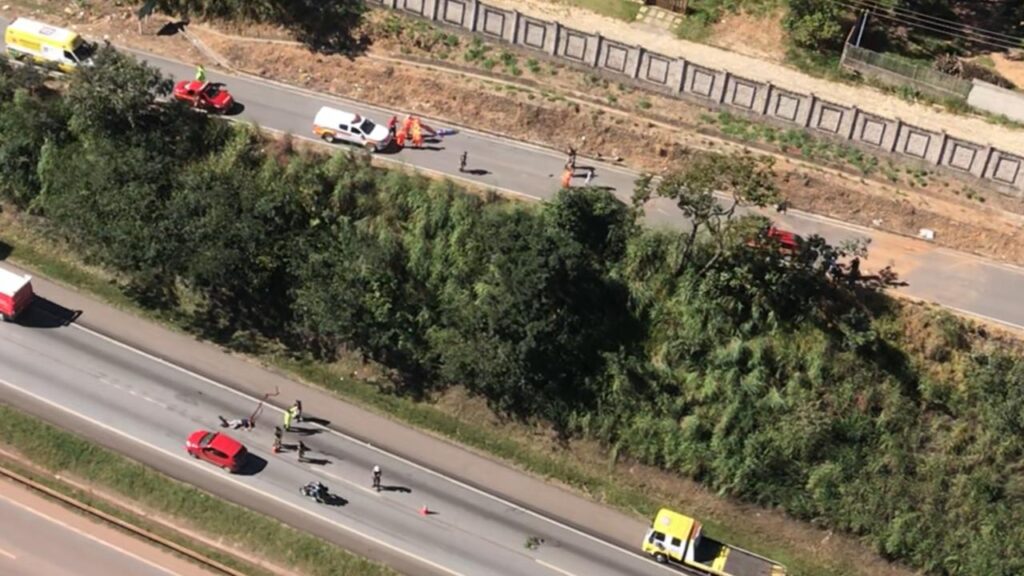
{"type": "Point", "coordinates": [41, 538]}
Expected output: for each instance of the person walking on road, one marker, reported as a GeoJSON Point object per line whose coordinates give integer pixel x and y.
{"type": "Point", "coordinates": [296, 410]}
{"type": "Point", "coordinates": [277, 446]}
{"type": "Point", "coordinates": [571, 162]}
{"type": "Point", "coordinates": [200, 73]}
{"type": "Point", "coordinates": [376, 478]}
{"type": "Point", "coordinates": [417, 133]}
{"type": "Point", "coordinates": [462, 161]}
{"type": "Point", "coordinates": [590, 175]}
{"type": "Point", "coordinates": [567, 178]}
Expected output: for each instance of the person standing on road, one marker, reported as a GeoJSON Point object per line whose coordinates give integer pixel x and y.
{"type": "Point", "coordinates": [462, 161]}
{"type": "Point", "coordinates": [376, 478]}
{"type": "Point", "coordinates": [288, 415]}
{"type": "Point", "coordinates": [302, 451]}
{"type": "Point", "coordinates": [200, 73]}
{"type": "Point", "coordinates": [590, 174]}
{"type": "Point", "coordinates": [296, 410]}
{"type": "Point", "coordinates": [567, 178]}
{"type": "Point", "coordinates": [571, 162]}
{"type": "Point", "coordinates": [417, 133]}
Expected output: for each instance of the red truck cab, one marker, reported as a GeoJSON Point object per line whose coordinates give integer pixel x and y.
{"type": "Point", "coordinates": [15, 294]}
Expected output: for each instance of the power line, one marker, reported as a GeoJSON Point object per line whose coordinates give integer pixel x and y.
{"type": "Point", "coordinates": [941, 22]}
{"type": "Point", "coordinates": [937, 25]}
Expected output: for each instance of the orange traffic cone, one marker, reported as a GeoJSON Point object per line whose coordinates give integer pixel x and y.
{"type": "Point", "coordinates": [424, 511]}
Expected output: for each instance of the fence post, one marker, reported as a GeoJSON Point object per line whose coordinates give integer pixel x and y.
{"type": "Point", "coordinates": [811, 98]}
{"type": "Point", "coordinates": [435, 4]}
{"type": "Point", "coordinates": [597, 53]}
{"type": "Point", "coordinates": [896, 136]}
{"type": "Point", "coordinates": [557, 33]}
{"type": "Point", "coordinates": [516, 17]}
{"type": "Point", "coordinates": [989, 151]}
{"type": "Point", "coordinates": [474, 7]}
{"type": "Point", "coordinates": [943, 139]}
{"type": "Point", "coordinates": [854, 112]}
{"type": "Point", "coordinates": [639, 61]}
{"type": "Point", "coordinates": [767, 98]}
{"type": "Point", "coordinates": [685, 64]}
{"type": "Point", "coordinates": [725, 87]}
{"type": "Point", "coordinates": [393, 4]}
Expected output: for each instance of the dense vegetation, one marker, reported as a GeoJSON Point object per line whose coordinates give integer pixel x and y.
{"type": "Point", "coordinates": [705, 353]}
{"type": "Point", "coordinates": [324, 24]}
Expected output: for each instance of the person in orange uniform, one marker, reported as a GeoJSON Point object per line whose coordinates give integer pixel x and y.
{"type": "Point", "coordinates": [567, 178]}
{"type": "Point", "coordinates": [417, 133]}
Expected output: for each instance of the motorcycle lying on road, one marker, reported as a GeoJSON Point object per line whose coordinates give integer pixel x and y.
{"type": "Point", "coordinates": [317, 491]}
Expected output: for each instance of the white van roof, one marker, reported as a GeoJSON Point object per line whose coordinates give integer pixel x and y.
{"type": "Point", "coordinates": [328, 116]}
{"type": "Point", "coordinates": [58, 35]}
{"type": "Point", "coordinates": [10, 282]}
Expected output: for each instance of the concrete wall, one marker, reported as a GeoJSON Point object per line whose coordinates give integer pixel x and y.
{"type": "Point", "coordinates": [680, 78]}
{"type": "Point", "coordinates": [992, 98]}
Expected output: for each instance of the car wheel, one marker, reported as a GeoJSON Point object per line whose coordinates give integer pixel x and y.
{"type": "Point", "coordinates": [328, 137]}
{"type": "Point", "coordinates": [661, 558]}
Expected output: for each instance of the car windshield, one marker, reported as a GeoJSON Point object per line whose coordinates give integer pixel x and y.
{"type": "Point", "coordinates": [367, 127]}
{"type": "Point", "coordinates": [205, 439]}
{"type": "Point", "coordinates": [211, 91]}
{"type": "Point", "coordinates": [84, 50]}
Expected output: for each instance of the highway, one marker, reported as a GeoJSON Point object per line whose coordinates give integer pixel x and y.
{"type": "Point", "coordinates": [147, 408]}
{"type": "Point", "coordinates": [41, 538]}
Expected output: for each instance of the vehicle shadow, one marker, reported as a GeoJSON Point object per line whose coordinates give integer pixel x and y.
{"type": "Point", "coordinates": [45, 313]}
{"type": "Point", "coordinates": [335, 500]}
{"type": "Point", "coordinates": [253, 465]}
{"type": "Point", "coordinates": [236, 109]}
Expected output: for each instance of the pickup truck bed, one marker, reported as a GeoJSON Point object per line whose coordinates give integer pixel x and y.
{"type": "Point", "coordinates": [738, 562]}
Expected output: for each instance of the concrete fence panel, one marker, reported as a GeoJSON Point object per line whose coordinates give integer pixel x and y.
{"type": "Point", "coordinates": [720, 89]}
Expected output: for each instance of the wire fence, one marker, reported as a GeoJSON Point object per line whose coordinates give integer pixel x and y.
{"type": "Point", "coordinates": [893, 69]}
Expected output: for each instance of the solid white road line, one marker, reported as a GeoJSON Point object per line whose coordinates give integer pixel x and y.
{"type": "Point", "coordinates": [86, 535]}
{"type": "Point", "coordinates": [213, 471]}
{"type": "Point", "coordinates": [554, 568]}
{"type": "Point", "coordinates": [366, 445]}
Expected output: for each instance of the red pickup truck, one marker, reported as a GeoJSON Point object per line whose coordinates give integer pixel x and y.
{"type": "Point", "coordinates": [15, 294]}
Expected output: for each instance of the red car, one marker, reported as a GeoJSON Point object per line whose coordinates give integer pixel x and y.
{"type": "Point", "coordinates": [204, 95]}
{"type": "Point", "coordinates": [217, 448]}
{"type": "Point", "coordinates": [789, 242]}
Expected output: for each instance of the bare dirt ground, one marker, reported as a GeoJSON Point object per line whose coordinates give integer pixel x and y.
{"type": "Point", "coordinates": [1009, 69]}
{"type": "Point", "coordinates": [757, 36]}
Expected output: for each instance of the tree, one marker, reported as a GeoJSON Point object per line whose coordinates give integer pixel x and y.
{"type": "Point", "coordinates": [815, 24]}
{"type": "Point", "coordinates": [744, 179]}
{"type": "Point", "coordinates": [115, 97]}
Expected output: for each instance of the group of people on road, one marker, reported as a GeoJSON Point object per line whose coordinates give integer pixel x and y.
{"type": "Point", "coordinates": [412, 129]}
{"type": "Point", "coordinates": [570, 169]}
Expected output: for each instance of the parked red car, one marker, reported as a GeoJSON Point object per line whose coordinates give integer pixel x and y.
{"type": "Point", "coordinates": [204, 95]}
{"type": "Point", "coordinates": [788, 241]}
{"type": "Point", "coordinates": [217, 448]}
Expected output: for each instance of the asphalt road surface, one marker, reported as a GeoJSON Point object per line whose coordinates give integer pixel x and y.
{"type": "Point", "coordinates": [147, 408]}
{"type": "Point", "coordinates": [41, 538]}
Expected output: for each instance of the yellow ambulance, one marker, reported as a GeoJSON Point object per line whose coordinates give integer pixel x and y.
{"type": "Point", "coordinates": [47, 45]}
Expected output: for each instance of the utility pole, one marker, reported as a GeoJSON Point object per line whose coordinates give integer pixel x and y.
{"type": "Point", "coordinates": [863, 25]}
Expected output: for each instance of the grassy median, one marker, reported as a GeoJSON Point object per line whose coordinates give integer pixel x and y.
{"type": "Point", "coordinates": [63, 453]}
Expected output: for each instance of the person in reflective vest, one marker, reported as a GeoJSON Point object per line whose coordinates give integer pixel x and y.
{"type": "Point", "coordinates": [200, 73]}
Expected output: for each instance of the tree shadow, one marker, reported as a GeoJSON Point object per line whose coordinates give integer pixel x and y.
{"type": "Point", "coordinates": [172, 28]}
{"type": "Point", "coordinates": [5, 250]}
{"type": "Point", "coordinates": [45, 313]}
